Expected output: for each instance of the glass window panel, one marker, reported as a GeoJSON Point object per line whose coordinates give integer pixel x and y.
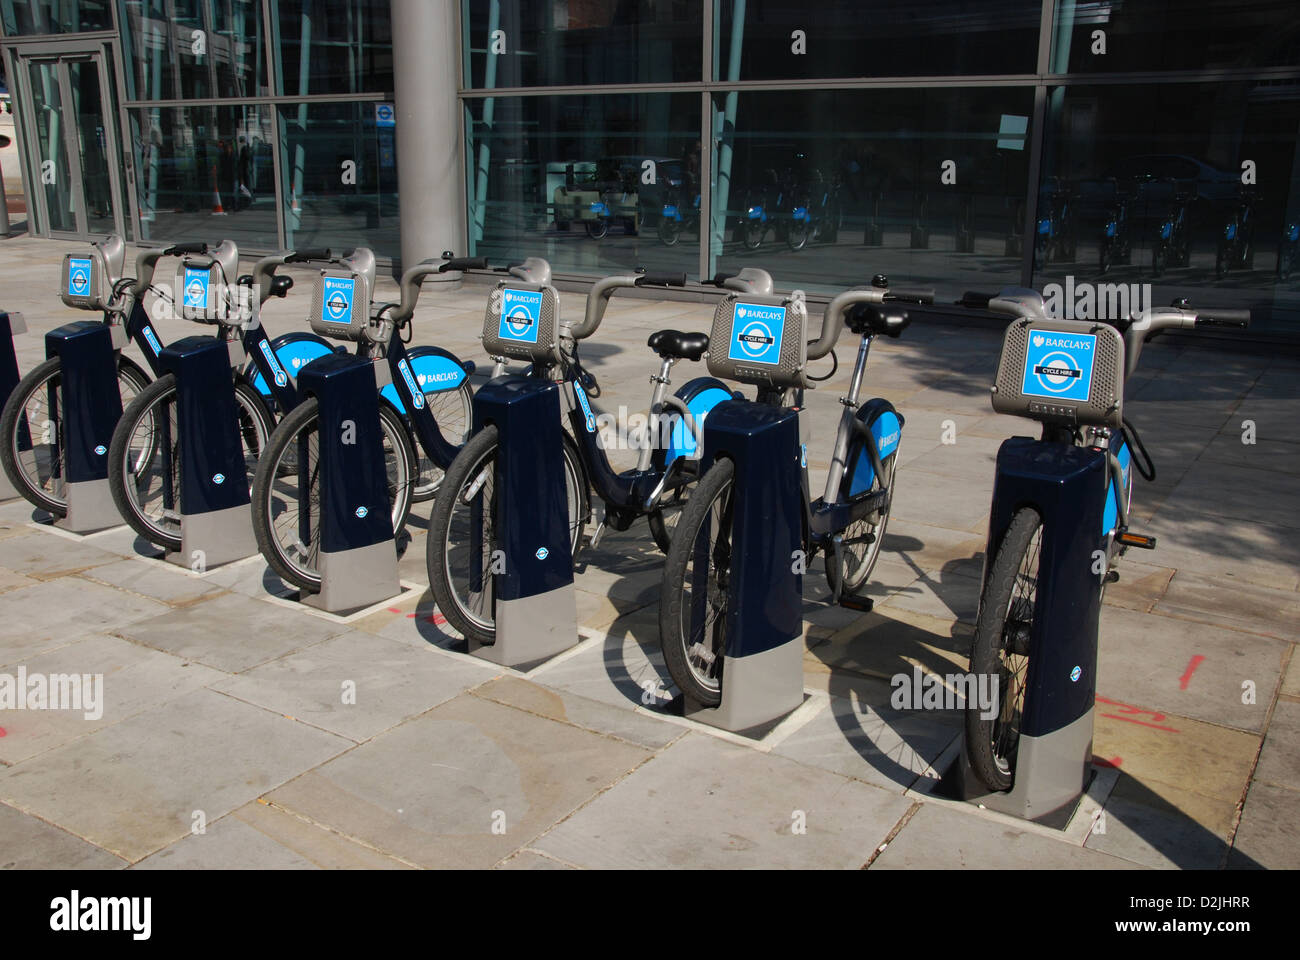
{"type": "Point", "coordinates": [205, 173]}
{"type": "Point", "coordinates": [553, 42]}
{"type": "Point", "coordinates": [1140, 35]}
{"type": "Point", "coordinates": [584, 181]}
{"type": "Point", "coordinates": [55, 175]}
{"type": "Point", "coordinates": [787, 39]}
{"type": "Point", "coordinates": [333, 46]}
{"type": "Point", "coordinates": [27, 17]}
{"type": "Point", "coordinates": [1146, 157]}
{"type": "Point", "coordinates": [187, 49]}
{"type": "Point", "coordinates": [825, 189]}
{"type": "Point", "coordinates": [91, 137]}
{"type": "Point", "coordinates": [339, 178]}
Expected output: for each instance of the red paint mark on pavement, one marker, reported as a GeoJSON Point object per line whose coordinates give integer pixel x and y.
{"type": "Point", "coordinates": [2, 732]}
{"type": "Point", "coordinates": [394, 610]}
{"type": "Point", "coordinates": [1113, 762]}
{"type": "Point", "coordinates": [1192, 664]}
{"type": "Point", "coordinates": [1127, 713]}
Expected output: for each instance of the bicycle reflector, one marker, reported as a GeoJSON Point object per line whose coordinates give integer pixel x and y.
{"type": "Point", "coordinates": [1062, 371]}
{"type": "Point", "coordinates": [340, 305]}
{"type": "Point", "coordinates": [760, 340]}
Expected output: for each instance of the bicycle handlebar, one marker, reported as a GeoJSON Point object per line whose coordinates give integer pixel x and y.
{"type": "Point", "coordinates": [1223, 318]}
{"type": "Point", "coordinates": [838, 308]}
{"type": "Point", "coordinates": [413, 277]}
{"type": "Point", "coordinates": [311, 253]}
{"type": "Point", "coordinates": [661, 280]}
{"type": "Point", "coordinates": [181, 249]}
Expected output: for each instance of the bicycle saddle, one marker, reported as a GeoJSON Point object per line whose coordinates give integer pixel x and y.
{"type": "Point", "coordinates": [881, 320]}
{"type": "Point", "coordinates": [674, 343]}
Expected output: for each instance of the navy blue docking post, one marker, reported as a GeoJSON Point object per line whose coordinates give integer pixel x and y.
{"type": "Point", "coordinates": [216, 523]}
{"type": "Point", "coordinates": [358, 557]}
{"type": "Point", "coordinates": [762, 671]}
{"type": "Point", "coordinates": [535, 606]}
{"type": "Point", "coordinates": [1068, 486]}
{"type": "Point", "coordinates": [10, 324]}
{"type": "Point", "coordinates": [91, 405]}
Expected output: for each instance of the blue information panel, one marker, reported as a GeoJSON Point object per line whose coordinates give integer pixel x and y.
{"type": "Point", "coordinates": [521, 314]}
{"type": "Point", "coordinates": [336, 300]}
{"type": "Point", "coordinates": [196, 288]}
{"type": "Point", "coordinates": [1059, 365]}
{"type": "Point", "coordinates": [79, 277]}
{"type": "Point", "coordinates": [756, 331]}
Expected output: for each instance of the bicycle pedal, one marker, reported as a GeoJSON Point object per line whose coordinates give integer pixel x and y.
{"type": "Point", "coordinates": [1112, 576]}
{"type": "Point", "coordinates": [856, 601]}
{"type": "Point", "coordinates": [1137, 540]}
{"type": "Point", "coordinates": [596, 534]}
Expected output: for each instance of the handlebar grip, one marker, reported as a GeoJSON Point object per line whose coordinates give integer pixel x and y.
{"type": "Point", "coordinates": [464, 263]}
{"type": "Point", "coordinates": [311, 253]}
{"type": "Point", "coordinates": [661, 280]}
{"type": "Point", "coordinates": [180, 249]}
{"type": "Point", "coordinates": [1223, 318]}
{"type": "Point", "coordinates": [976, 301]}
{"type": "Point", "coordinates": [910, 295]}
{"type": "Point", "coordinates": [720, 278]}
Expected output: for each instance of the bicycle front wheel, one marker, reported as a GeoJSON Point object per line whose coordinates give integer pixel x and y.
{"type": "Point", "coordinates": [1001, 648]}
{"type": "Point", "coordinates": [454, 411]}
{"type": "Point", "coordinates": [286, 490]}
{"type": "Point", "coordinates": [693, 596]}
{"type": "Point", "coordinates": [32, 435]}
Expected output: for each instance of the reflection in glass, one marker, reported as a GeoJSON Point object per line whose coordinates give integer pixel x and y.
{"type": "Point", "coordinates": [187, 49]}
{"type": "Point", "coordinates": [1141, 35]}
{"type": "Point", "coordinates": [1192, 188]}
{"type": "Point", "coordinates": [205, 173]}
{"type": "Point", "coordinates": [55, 176]}
{"type": "Point", "coordinates": [340, 178]}
{"type": "Point", "coordinates": [545, 43]}
{"type": "Point", "coordinates": [332, 46]}
{"type": "Point", "coordinates": [586, 181]}
{"type": "Point", "coordinates": [788, 39]}
{"type": "Point", "coordinates": [27, 17]}
{"type": "Point", "coordinates": [92, 145]}
{"type": "Point", "coordinates": [827, 188]}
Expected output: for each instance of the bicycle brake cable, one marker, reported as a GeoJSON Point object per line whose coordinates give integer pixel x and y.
{"type": "Point", "coordinates": [1134, 441]}
{"type": "Point", "coordinates": [835, 365]}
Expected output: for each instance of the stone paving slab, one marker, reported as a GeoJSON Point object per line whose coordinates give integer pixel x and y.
{"type": "Point", "coordinates": [703, 803]}
{"type": "Point", "coordinates": [28, 843]}
{"type": "Point", "coordinates": [259, 836]}
{"type": "Point", "coordinates": [1279, 760]}
{"type": "Point", "coordinates": [1267, 836]}
{"type": "Point", "coordinates": [938, 837]}
{"type": "Point", "coordinates": [433, 788]}
{"type": "Point", "coordinates": [1163, 827]}
{"type": "Point", "coordinates": [148, 774]}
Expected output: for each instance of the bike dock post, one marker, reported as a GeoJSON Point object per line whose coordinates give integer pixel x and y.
{"type": "Point", "coordinates": [532, 579]}
{"type": "Point", "coordinates": [762, 672]}
{"type": "Point", "coordinates": [11, 324]}
{"type": "Point", "coordinates": [216, 524]}
{"type": "Point", "coordinates": [91, 405]}
{"type": "Point", "coordinates": [1055, 753]}
{"type": "Point", "coordinates": [358, 553]}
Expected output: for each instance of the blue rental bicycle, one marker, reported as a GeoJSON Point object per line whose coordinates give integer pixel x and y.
{"type": "Point", "coordinates": [1069, 376]}
{"type": "Point", "coordinates": [425, 402]}
{"type": "Point", "coordinates": [462, 528]}
{"type": "Point", "coordinates": [847, 523]}
{"type": "Point", "coordinates": [32, 432]}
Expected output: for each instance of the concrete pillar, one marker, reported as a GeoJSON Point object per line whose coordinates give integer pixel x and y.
{"type": "Point", "coordinates": [431, 176]}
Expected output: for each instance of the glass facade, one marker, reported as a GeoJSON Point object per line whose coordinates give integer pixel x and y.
{"type": "Point", "coordinates": [956, 144]}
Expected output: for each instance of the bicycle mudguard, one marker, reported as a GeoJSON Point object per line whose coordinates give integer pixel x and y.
{"type": "Point", "coordinates": [886, 425]}
{"type": "Point", "coordinates": [700, 396]}
{"type": "Point", "coordinates": [435, 370]}
{"type": "Point", "coordinates": [1111, 517]}
{"type": "Point", "coordinates": [293, 351]}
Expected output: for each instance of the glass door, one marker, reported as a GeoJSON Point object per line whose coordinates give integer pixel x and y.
{"type": "Point", "coordinates": [74, 158]}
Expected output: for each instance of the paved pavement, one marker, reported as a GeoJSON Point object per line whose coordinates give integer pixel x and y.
{"type": "Point", "coordinates": [228, 739]}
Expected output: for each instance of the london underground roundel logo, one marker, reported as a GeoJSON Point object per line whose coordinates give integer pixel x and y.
{"type": "Point", "coordinates": [755, 337]}
{"type": "Point", "coordinates": [1057, 371]}
{"type": "Point", "coordinates": [195, 289]}
{"type": "Point", "coordinates": [79, 281]}
{"type": "Point", "coordinates": [519, 320]}
{"type": "Point", "coordinates": [337, 305]}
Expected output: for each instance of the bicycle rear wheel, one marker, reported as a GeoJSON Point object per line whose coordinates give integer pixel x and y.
{"type": "Point", "coordinates": [693, 597]}
{"type": "Point", "coordinates": [286, 490]}
{"type": "Point", "coordinates": [1001, 648]}
{"type": "Point", "coordinates": [31, 428]}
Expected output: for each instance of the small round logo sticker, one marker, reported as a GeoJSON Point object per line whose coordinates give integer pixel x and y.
{"type": "Point", "coordinates": [101, 450]}
{"type": "Point", "coordinates": [361, 513]}
{"type": "Point", "coordinates": [542, 553]}
{"type": "Point", "coordinates": [1075, 674]}
{"type": "Point", "coordinates": [218, 478]}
